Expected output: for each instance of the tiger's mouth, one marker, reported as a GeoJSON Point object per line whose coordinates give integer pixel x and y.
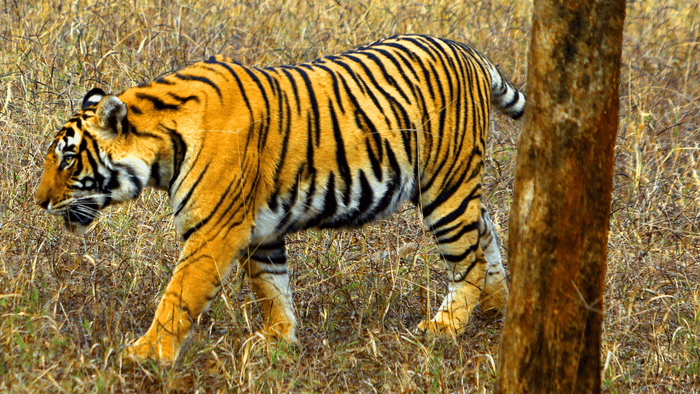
{"type": "Point", "coordinates": [79, 216]}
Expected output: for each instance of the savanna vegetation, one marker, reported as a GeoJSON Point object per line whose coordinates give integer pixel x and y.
{"type": "Point", "coordinates": [69, 303]}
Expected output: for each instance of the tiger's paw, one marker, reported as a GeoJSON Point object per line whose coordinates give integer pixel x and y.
{"type": "Point", "coordinates": [283, 333]}
{"type": "Point", "coordinates": [264, 342]}
{"type": "Point", "coordinates": [494, 298]}
{"type": "Point", "coordinates": [495, 305]}
{"type": "Point", "coordinates": [145, 349]}
{"type": "Point", "coordinates": [269, 341]}
{"type": "Point", "coordinates": [431, 329]}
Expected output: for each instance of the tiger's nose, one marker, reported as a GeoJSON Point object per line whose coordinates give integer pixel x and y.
{"type": "Point", "coordinates": [43, 203]}
{"type": "Point", "coordinates": [41, 197]}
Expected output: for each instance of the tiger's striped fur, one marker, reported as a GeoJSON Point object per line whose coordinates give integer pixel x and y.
{"type": "Point", "coordinates": [250, 154]}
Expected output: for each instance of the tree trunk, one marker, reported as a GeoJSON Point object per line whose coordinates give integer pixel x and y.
{"type": "Point", "coordinates": [560, 216]}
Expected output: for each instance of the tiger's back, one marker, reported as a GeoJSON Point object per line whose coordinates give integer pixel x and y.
{"type": "Point", "coordinates": [340, 140]}
{"type": "Point", "coordinates": [250, 154]}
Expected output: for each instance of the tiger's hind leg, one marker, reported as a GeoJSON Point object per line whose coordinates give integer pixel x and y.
{"type": "Point", "coordinates": [266, 267]}
{"type": "Point", "coordinates": [475, 274]}
{"type": "Point", "coordinates": [494, 295]}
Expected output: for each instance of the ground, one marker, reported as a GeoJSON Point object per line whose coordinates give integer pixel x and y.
{"type": "Point", "coordinates": [68, 303]}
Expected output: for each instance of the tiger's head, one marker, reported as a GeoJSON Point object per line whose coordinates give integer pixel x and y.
{"type": "Point", "coordinates": [89, 166]}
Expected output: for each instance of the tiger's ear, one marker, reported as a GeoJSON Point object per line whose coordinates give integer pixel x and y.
{"type": "Point", "coordinates": [111, 116]}
{"type": "Point", "coordinates": [93, 97]}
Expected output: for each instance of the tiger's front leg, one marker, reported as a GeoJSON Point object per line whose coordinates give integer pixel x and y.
{"type": "Point", "coordinates": [266, 266]}
{"type": "Point", "coordinates": [203, 265]}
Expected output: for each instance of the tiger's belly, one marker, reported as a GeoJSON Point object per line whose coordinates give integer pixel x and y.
{"type": "Point", "coordinates": [330, 206]}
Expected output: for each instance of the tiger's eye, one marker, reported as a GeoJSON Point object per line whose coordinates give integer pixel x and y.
{"type": "Point", "coordinates": [67, 161]}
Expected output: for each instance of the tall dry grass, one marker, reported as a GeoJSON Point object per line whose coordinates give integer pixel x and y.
{"type": "Point", "coordinates": [68, 303]}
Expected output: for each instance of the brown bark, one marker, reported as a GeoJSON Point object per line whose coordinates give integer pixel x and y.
{"type": "Point", "coordinates": [559, 220]}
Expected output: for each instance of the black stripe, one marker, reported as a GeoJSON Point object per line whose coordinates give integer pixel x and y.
{"type": "Point", "coordinates": [179, 148]}
{"type": "Point", "coordinates": [186, 199]}
{"type": "Point", "coordinates": [236, 205]}
{"type": "Point", "coordinates": [387, 76]}
{"type": "Point", "coordinates": [289, 204]}
{"type": "Point", "coordinates": [419, 41]}
{"type": "Point", "coordinates": [513, 100]}
{"type": "Point", "coordinates": [313, 105]}
{"type": "Point", "coordinates": [157, 102]}
{"type": "Point", "coordinates": [135, 110]}
{"type": "Point", "coordinates": [336, 87]}
{"type": "Point", "coordinates": [182, 99]}
{"type": "Point", "coordinates": [374, 161]}
{"type": "Point", "coordinates": [441, 120]}
{"type": "Point", "coordinates": [295, 89]}
{"type": "Point", "coordinates": [456, 237]}
{"type": "Point", "coordinates": [340, 156]}
{"type": "Point", "coordinates": [391, 187]}
{"type": "Point", "coordinates": [400, 51]}
{"type": "Point", "coordinates": [366, 200]}
{"type": "Point", "coordinates": [241, 88]}
{"type": "Point", "coordinates": [311, 169]}
{"type": "Point", "coordinates": [113, 183]}
{"type": "Point", "coordinates": [330, 204]}
{"type": "Point", "coordinates": [445, 230]}
{"type": "Point", "coordinates": [406, 137]}
{"type": "Point", "coordinates": [365, 124]}
{"type": "Point", "coordinates": [455, 214]}
{"type": "Point", "coordinates": [99, 178]}
{"type": "Point", "coordinates": [204, 221]}
{"type": "Point", "coordinates": [349, 71]}
{"type": "Point", "coordinates": [155, 173]}
{"type": "Point", "coordinates": [450, 258]}
{"type": "Point", "coordinates": [378, 86]}
{"type": "Point", "coordinates": [276, 179]}
{"type": "Point", "coordinates": [163, 81]}
{"type": "Point", "coordinates": [275, 260]}
{"type": "Point", "coordinates": [263, 92]}
{"type": "Point", "coordinates": [132, 178]}
{"type": "Point", "coordinates": [392, 159]}
{"type": "Point", "coordinates": [198, 78]}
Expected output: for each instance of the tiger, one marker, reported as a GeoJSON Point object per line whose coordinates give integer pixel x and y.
{"type": "Point", "coordinates": [249, 154]}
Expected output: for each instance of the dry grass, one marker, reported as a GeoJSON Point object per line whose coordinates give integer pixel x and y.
{"type": "Point", "coordinates": [67, 304]}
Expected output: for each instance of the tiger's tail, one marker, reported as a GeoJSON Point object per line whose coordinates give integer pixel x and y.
{"type": "Point", "coordinates": [504, 96]}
